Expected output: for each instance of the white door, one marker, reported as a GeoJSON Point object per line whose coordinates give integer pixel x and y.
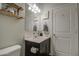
{"type": "Point", "coordinates": [65, 30]}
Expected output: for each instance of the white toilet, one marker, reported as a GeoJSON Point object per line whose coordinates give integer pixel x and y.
{"type": "Point", "coordinates": [11, 51]}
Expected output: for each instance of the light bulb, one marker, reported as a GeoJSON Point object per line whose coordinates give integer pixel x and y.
{"type": "Point", "coordinates": [32, 10]}
{"type": "Point", "coordinates": [35, 12]}
{"type": "Point", "coordinates": [34, 6]}
{"type": "Point", "coordinates": [29, 8]}
{"type": "Point", "coordinates": [39, 10]}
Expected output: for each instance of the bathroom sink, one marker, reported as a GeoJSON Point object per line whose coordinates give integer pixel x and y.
{"type": "Point", "coordinates": [37, 39]}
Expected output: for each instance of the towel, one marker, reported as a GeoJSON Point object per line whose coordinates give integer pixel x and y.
{"type": "Point", "coordinates": [34, 50]}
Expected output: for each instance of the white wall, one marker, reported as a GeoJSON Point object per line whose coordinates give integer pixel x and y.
{"type": "Point", "coordinates": [11, 30]}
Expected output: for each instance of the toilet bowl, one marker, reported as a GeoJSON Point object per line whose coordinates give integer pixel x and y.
{"type": "Point", "coordinates": [11, 51]}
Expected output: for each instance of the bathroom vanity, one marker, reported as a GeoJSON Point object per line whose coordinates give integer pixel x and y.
{"type": "Point", "coordinates": [39, 46]}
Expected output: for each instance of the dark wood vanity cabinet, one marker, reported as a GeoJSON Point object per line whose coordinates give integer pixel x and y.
{"type": "Point", "coordinates": [43, 48]}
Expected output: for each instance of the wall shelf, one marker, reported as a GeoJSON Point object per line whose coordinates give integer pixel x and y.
{"type": "Point", "coordinates": [15, 6]}
{"type": "Point", "coordinates": [4, 12]}
{"type": "Point", "coordinates": [9, 13]}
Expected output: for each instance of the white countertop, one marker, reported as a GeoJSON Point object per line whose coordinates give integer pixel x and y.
{"type": "Point", "coordinates": [38, 39]}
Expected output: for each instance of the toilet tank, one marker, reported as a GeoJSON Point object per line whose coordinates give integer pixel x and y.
{"type": "Point", "coordinates": [11, 51]}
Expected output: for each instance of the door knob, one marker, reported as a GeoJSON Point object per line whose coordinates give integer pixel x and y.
{"type": "Point", "coordinates": [54, 35]}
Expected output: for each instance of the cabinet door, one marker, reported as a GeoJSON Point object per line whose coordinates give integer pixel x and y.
{"type": "Point", "coordinates": [29, 46]}
{"type": "Point", "coordinates": [45, 47]}
{"type": "Point", "coordinates": [65, 30]}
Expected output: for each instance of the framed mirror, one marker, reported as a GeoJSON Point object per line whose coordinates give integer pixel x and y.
{"type": "Point", "coordinates": [45, 29]}
{"type": "Point", "coordinates": [34, 28]}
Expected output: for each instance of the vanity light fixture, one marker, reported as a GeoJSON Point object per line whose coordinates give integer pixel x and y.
{"type": "Point", "coordinates": [34, 8]}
